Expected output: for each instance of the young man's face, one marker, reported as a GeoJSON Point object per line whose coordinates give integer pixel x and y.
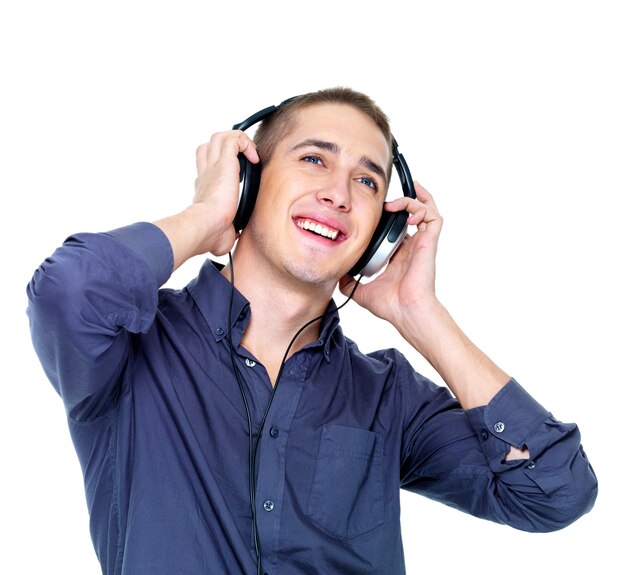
{"type": "Point", "coordinates": [321, 194]}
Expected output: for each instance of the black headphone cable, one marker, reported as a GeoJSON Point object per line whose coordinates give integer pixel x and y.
{"type": "Point", "coordinates": [253, 444]}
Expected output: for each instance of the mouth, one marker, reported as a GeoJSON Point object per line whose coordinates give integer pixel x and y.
{"type": "Point", "coordinates": [318, 229]}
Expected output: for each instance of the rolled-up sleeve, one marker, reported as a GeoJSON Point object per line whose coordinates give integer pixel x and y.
{"type": "Point", "coordinates": [458, 457]}
{"type": "Point", "coordinates": [85, 300]}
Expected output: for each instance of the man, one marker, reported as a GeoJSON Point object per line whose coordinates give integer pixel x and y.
{"type": "Point", "coordinates": [173, 397]}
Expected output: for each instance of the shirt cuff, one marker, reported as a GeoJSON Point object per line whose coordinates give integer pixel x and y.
{"type": "Point", "coordinates": [510, 418]}
{"type": "Point", "coordinates": [151, 245]}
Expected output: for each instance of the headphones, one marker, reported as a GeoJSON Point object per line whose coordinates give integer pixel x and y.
{"type": "Point", "coordinates": [388, 234]}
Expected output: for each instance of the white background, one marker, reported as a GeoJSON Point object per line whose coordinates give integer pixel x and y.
{"type": "Point", "coordinates": [511, 113]}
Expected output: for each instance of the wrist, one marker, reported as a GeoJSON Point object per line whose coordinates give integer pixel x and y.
{"type": "Point", "coordinates": [200, 226]}
{"type": "Point", "coordinates": [420, 320]}
{"type": "Point", "coordinates": [194, 231]}
{"type": "Point", "coordinates": [472, 376]}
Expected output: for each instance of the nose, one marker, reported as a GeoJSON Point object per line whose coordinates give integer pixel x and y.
{"type": "Point", "coordinates": [336, 193]}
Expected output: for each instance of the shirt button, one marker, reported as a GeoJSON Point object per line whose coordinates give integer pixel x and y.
{"type": "Point", "coordinates": [531, 465]}
{"type": "Point", "coordinates": [484, 434]}
{"type": "Point", "coordinates": [249, 362]}
{"type": "Point", "coordinates": [268, 505]}
{"type": "Point", "coordinates": [274, 432]}
{"type": "Point", "coordinates": [219, 331]}
{"type": "Point", "coordinates": [498, 427]}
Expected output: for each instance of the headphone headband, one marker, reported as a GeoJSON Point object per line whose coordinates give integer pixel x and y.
{"type": "Point", "coordinates": [255, 118]}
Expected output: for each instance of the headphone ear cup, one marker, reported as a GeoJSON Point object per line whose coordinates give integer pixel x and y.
{"type": "Point", "coordinates": [250, 178]}
{"type": "Point", "coordinates": [387, 237]}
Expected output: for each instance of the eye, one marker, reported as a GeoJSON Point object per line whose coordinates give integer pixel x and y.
{"type": "Point", "coordinates": [368, 182]}
{"type": "Point", "coordinates": [312, 159]}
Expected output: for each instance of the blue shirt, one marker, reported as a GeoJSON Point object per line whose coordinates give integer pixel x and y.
{"type": "Point", "coordinates": [159, 426]}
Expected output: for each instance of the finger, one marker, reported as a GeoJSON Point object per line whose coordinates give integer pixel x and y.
{"type": "Point", "coordinates": [346, 285]}
{"type": "Point", "coordinates": [225, 144]}
{"type": "Point", "coordinates": [235, 142]}
{"type": "Point", "coordinates": [201, 158]}
{"type": "Point", "coordinates": [251, 153]}
{"type": "Point", "coordinates": [404, 203]}
{"type": "Point", "coordinates": [427, 220]}
{"type": "Point", "coordinates": [423, 215]}
{"type": "Point", "coordinates": [419, 216]}
{"type": "Point", "coordinates": [417, 209]}
{"type": "Point", "coordinates": [422, 193]}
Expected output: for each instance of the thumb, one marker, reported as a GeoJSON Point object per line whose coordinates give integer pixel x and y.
{"type": "Point", "coordinates": [346, 286]}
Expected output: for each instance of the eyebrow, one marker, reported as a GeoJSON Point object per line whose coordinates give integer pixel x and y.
{"type": "Point", "coordinates": [333, 148]}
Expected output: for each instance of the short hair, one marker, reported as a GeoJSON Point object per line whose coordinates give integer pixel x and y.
{"type": "Point", "coordinates": [282, 122]}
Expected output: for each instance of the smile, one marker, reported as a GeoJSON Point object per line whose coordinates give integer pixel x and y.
{"type": "Point", "coordinates": [318, 229]}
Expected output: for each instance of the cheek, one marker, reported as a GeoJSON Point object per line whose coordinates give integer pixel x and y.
{"type": "Point", "coordinates": [274, 186]}
{"type": "Point", "coordinates": [369, 219]}
{"type": "Point", "coordinates": [267, 197]}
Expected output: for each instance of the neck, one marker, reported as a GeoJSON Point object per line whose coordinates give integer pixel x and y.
{"type": "Point", "coordinates": [280, 307]}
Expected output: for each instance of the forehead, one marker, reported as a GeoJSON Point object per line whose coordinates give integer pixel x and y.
{"type": "Point", "coordinates": [352, 130]}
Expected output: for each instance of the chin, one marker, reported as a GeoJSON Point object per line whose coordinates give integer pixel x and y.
{"type": "Point", "coordinates": [311, 275]}
{"type": "Point", "coordinates": [296, 264]}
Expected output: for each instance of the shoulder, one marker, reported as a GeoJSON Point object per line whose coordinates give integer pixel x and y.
{"type": "Point", "coordinates": [389, 362]}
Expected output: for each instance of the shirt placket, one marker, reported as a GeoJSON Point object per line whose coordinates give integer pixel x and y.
{"type": "Point", "coordinates": [271, 458]}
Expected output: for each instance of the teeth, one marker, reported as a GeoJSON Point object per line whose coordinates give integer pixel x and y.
{"type": "Point", "coordinates": [318, 229]}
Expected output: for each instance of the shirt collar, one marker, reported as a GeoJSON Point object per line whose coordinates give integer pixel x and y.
{"type": "Point", "coordinates": [330, 326]}
{"type": "Point", "coordinates": [211, 292]}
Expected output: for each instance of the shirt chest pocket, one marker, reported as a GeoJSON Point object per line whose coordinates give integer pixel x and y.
{"type": "Point", "coordinates": [346, 498]}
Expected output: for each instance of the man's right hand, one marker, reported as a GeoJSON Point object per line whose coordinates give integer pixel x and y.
{"type": "Point", "coordinates": [206, 226]}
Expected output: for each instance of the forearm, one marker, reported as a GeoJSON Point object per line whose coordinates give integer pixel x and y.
{"type": "Point", "coordinates": [469, 373]}
{"type": "Point", "coordinates": [190, 233]}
